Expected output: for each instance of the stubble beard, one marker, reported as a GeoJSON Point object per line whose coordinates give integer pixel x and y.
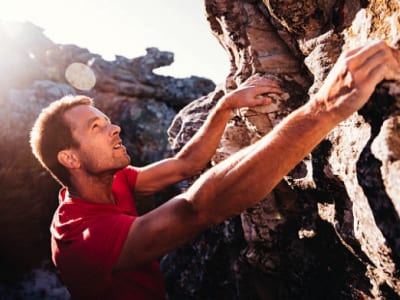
{"type": "Point", "coordinates": [95, 169]}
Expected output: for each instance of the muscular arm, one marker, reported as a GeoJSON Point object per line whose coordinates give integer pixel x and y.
{"type": "Point", "coordinates": [247, 176]}
{"type": "Point", "coordinates": [201, 147]}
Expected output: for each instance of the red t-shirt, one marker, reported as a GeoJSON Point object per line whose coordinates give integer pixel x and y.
{"type": "Point", "coordinates": [87, 239]}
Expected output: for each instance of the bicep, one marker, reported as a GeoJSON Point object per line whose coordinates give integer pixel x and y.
{"type": "Point", "coordinates": [160, 231]}
{"type": "Point", "coordinates": [160, 175]}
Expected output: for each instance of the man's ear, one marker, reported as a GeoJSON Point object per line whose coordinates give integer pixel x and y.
{"type": "Point", "coordinates": [68, 159]}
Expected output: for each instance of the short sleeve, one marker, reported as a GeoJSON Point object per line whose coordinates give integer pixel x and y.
{"type": "Point", "coordinates": [131, 174]}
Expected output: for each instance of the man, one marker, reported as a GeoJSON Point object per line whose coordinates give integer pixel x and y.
{"type": "Point", "coordinates": [103, 249]}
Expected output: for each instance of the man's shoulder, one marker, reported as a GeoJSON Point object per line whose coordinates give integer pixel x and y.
{"type": "Point", "coordinates": [128, 174]}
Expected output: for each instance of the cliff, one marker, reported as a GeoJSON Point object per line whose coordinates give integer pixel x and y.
{"type": "Point", "coordinates": [330, 230]}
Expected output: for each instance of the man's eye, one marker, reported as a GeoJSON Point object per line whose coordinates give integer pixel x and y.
{"type": "Point", "coordinates": [95, 126]}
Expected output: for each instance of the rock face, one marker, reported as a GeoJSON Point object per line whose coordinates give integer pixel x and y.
{"type": "Point", "coordinates": [34, 72]}
{"type": "Point", "coordinates": [331, 229]}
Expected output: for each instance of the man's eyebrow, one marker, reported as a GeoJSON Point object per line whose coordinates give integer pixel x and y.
{"type": "Point", "coordinates": [91, 120]}
{"type": "Point", "coordinates": [95, 118]}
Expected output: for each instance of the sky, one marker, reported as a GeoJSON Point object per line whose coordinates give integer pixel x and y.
{"type": "Point", "coordinates": [127, 28]}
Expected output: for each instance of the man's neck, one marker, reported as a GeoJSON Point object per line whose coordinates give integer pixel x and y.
{"type": "Point", "coordinates": [92, 188]}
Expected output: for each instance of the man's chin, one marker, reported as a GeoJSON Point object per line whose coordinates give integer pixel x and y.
{"type": "Point", "coordinates": [122, 165]}
{"type": "Point", "coordinates": [128, 160]}
{"type": "Point", "coordinates": [119, 168]}
{"type": "Point", "coordinates": [126, 163]}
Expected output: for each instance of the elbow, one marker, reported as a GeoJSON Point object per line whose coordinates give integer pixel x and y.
{"type": "Point", "coordinates": [217, 216]}
{"type": "Point", "coordinates": [200, 219]}
{"type": "Point", "coordinates": [206, 211]}
{"type": "Point", "coordinates": [208, 220]}
{"type": "Point", "coordinates": [189, 169]}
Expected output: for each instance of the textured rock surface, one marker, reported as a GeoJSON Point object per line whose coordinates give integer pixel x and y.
{"type": "Point", "coordinates": [331, 229]}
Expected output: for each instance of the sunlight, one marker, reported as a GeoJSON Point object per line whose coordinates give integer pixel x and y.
{"type": "Point", "coordinates": [12, 59]}
{"type": "Point", "coordinates": [127, 28]}
{"type": "Point", "coordinates": [11, 29]}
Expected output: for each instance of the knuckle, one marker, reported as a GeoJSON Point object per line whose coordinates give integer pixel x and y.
{"type": "Point", "coordinates": [382, 44]}
{"type": "Point", "coordinates": [348, 64]}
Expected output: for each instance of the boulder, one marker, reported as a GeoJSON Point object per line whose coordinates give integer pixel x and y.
{"type": "Point", "coordinates": [330, 229]}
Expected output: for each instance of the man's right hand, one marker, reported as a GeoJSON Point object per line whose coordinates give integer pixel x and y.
{"type": "Point", "coordinates": [253, 92]}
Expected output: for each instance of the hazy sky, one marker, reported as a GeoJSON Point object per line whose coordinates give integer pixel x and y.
{"type": "Point", "coordinates": [128, 27]}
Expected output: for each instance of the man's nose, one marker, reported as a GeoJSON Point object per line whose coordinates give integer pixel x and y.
{"type": "Point", "coordinates": [115, 129]}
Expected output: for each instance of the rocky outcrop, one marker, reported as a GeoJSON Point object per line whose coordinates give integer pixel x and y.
{"type": "Point", "coordinates": [330, 230]}
{"type": "Point", "coordinates": [34, 72]}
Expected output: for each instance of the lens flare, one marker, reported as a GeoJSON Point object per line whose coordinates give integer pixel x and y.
{"type": "Point", "coordinates": [80, 76]}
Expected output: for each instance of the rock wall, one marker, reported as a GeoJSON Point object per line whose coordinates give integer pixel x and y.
{"type": "Point", "coordinates": [331, 229]}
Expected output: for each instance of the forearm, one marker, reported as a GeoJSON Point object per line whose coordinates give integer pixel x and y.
{"type": "Point", "coordinates": [192, 158]}
{"type": "Point", "coordinates": [247, 176]}
{"type": "Point", "coordinates": [202, 146]}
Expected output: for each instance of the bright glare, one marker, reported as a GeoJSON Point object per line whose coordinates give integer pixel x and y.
{"type": "Point", "coordinates": [80, 76]}
{"type": "Point", "coordinates": [127, 28]}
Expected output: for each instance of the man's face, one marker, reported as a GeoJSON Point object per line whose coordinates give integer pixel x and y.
{"type": "Point", "coordinates": [101, 148]}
